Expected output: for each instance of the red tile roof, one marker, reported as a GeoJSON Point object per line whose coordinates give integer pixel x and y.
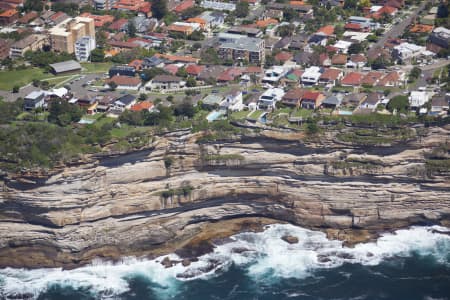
{"type": "Point", "coordinates": [118, 25]}
{"type": "Point", "coordinates": [283, 56]}
{"type": "Point", "coordinates": [331, 74]}
{"type": "Point", "coordinates": [352, 78]}
{"type": "Point", "coordinates": [371, 78]}
{"type": "Point", "coordinates": [229, 74]}
{"type": "Point", "coordinates": [311, 95]}
{"type": "Point", "coordinates": [172, 69]}
{"type": "Point", "coordinates": [140, 106]}
{"type": "Point", "coordinates": [125, 80]}
{"type": "Point", "coordinates": [194, 69]}
{"type": "Point", "coordinates": [327, 30]}
{"type": "Point", "coordinates": [339, 59]}
{"type": "Point", "coordinates": [266, 22]}
{"type": "Point", "coordinates": [184, 5]}
{"type": "Point", "coordinates": [352, 26]}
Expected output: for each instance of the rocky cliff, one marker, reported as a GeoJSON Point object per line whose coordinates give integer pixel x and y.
{"type": "Point", "coordinates": [179, 194]}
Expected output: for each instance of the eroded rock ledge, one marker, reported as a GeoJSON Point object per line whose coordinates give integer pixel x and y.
{"type": "Point", "coordinates": [179, 195]}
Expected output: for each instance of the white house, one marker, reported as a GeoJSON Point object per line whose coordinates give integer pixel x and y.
{"type": "Point", "coordinates": [34, 100]}
{"type": "Point", "coordinates": [213, 18]}
{"type": "Point", "coordinates": [418, 98]}
{"type": "Point", "coordinates": [269, 98]}
{"type": "Point", "coordinates": [233, 101]}
{"type": "Point", "coordinates": [407, 51]}
{"type": "Point", "coordinates": [311, 76]}
{"type": "Point", "coordinates": [123, 103]}
{"type": "Point", "coordinates": [342, 46]}
{"type": "Point", "coordinates": [165, 82]}
{"type": "Point", "coordinates": [273, 75]}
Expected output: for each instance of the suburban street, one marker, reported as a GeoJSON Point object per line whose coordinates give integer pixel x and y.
{"type": "Point", "coordinates": [396, 30]}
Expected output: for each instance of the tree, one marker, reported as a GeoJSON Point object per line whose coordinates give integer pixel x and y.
{"type": "Point", "coordinates": [63, 113]}
{"type": "Point", "coordinates": [149, 74]}
{"type": "Point", "coordinates": [182, 72]}
{"type": "Point", "coordinates": [399, 103]}
{"type": "Point", "coordinates": [442, 12]}
{"type": "Point", "coordinates": [159, 9]}
{"type": "Point", "coordinates": [143, 96]}
{"type": "Point", "coordinates": [241, 9]}
{"type": "Point", "coordinates": [286, 30]}
{"type": "Point", "coordinates": [97, 55]}
{"type": "Point", "coordinates": [191, 82]}
{"type": "Point", "coordinates": [185, 108]}
{"type": "Point", "coordinates": [196, 36]}
{"type": "Point", "coordinates": [289, 14]}
{"type": "Point", "coordinates": [355, 48]}
{"type": "Point", "coordinates": [415, 73]}
{"type": "Point", "coordinates": [35, 5]}
{"type": "Point", "coordinates": [112, 85]}
{"type": "Point", "coordinates": [364, 3]}
{"type": "Point", "coordinates": [350, 4]}
{"type": "Point", "coordinates": [15, 89]}
{"type": "Point", "coordinates": [131, 28]}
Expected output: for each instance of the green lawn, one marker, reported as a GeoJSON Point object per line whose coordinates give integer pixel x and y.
{"type": "Point", "coordinates": [96, 67]}
{"type": "Point", "coordinates": [239, 115]}
{"type": "Point", "coordinates": [256, 114]}
{"type": "Point", "coordinates": [9, 79]}
{"type": "Point", "coordinates": [301, 113]}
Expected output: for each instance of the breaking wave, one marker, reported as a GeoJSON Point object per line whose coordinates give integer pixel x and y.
{"type": "Point", "coordinates": [263, 256]}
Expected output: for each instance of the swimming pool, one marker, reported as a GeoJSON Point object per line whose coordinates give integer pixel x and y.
{"type": "Point", "coordinates": [214, 115]}
{"type": "Point", "coordinates": [345, 113]}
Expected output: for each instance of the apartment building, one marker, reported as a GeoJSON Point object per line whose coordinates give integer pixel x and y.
{"type": "Point", "coordinates": [32, 42]}
{"type": "Point", "coordinates": [83, 48]}
{"type": "Point", "coordinates": [240, 48]}
{"type": "Point", "coordinates": [64, 36]}
{"type": "Point", "coordinates": [104, 4]}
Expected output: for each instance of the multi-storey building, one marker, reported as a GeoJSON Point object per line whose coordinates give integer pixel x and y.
{"type": "Point", "coordinates": [241, 48]}
{"type": "Point", "coordinates": [64, 36]}
{"type": "Point", "coordinates": [104, 4]}
{"type": "Point", "coordinates": [83, 48]}
{"type": "Point", "coordinates": [32, 42]}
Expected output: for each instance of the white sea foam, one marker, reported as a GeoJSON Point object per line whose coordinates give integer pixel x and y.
{"type": "Point", "coordinates": [262, 254]}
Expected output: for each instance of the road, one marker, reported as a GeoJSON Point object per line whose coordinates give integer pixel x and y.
{"type": "Point", "coordinates": [396, 30]}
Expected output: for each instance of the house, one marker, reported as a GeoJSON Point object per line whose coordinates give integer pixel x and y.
{"type": "Point", "coordinates": [122, 71]}
{"type": "Point", "coordinates": [418, 98]}
{"type": "Point", "coordinates": [212, 101]}
{"type": "Point", "coordinates": [318, 39]}
{"type": "Point", "coordinates": [354, 99]}
{"type": "Point", "coordinates": [8, 16]}
{"type": "Point", "coordinates": [283, 57]}
{"type": "Point", "coordinates": [142, 106]}
{"type": "Point", "coordinates": [217, 5]}
{"type": "Point", "coordinates": [392, 79]}
{"type": "Point", "coordinates": [273, 75]}
{"type": "Point", "coordinates": [405, 52]}
{"type": "Point", "coordinates": [439, 104]}
{"type": "Point", "coordinates": [371, 78]}
{"type": "Point", "coordinates": [123, 103]}
{"type": "Point", "coordinates": [233, 101]}
{"type": "Point", "coordinates": [438, 40]}
{"type": "Point", "coordinates": [269, 98]}
{"type": "Point", "coordinates": [312, 100]}
{"type": "Point", "coordinates": [248, 31]}
{"type": "Point", "coordinates": [352, 79]}
{"type": "Point", "coordinates": [229, 74]}
{"type": "Point", "coordinates": [99, 21]}
{"type": "Point", "coordinates": [32, 42]}
{"type": "Point", "coordinates": [330, 76]}
{"type": "Point", "coordinates": [104, 102]}
{"type": "Point", "coordinates": [171, 68]}
{"type": "Point", "coordinates": [194, 69]}
{"type": "Point", "coordinates": [27, 18]}
{"type": "Point", "coordinates": [119, 25]}
{"type": "Point", "coordinates": [165, 82]}
{"type": "Point", "coordinates": [356, 61]}
{"type": "Point", "coordinates": [184, 5]}
{"type": "Point", "coordinates": [333, 101]}
{"type": "Point", "coordinates": [125, 82]}
{"type": "Point", "coordinates": [339, 59]}
{"type": "Point", "coordinates": [283, 43]}
{"type": "Point", "coordinates": [34, 100]}
{"type": "Point", "coordinates": [136, 64]}
{"type": "Point", "coordinates": [292, 78]}
{"type": "Point", "coordinates": [303, 58]}
{"type": "Point", "coordinates": [354, 27]}
{"type": "Point", "coordinates": [342, 46]}
{"type": "Point", "coordinates": [298, 41]}
{"type": "Point", "coordinates": [152, 62]}
{"type": "Point", "coordinates": [213, 18]}
{"type": "Point", "coordinates": [311, 76]}
{"type": "Point", "coordinates": [293, 97]}
{"type": "Point", "coordinates": [184, 28]}
{"type": "Point", "coordinates": [371, 102]}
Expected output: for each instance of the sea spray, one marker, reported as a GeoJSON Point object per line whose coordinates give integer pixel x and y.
{"type": "Point", "coordinates": [262, 257]}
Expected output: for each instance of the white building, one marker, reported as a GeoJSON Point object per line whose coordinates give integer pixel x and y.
{"type": "Point", "coordinates": [342, 46]}
{"type": "Point", "coordinates": [269, 98]}
{"type": "Point", "coordinates": [311, 76]}
{"type": "Point", "coordinates": [104, 4]}
{"type": "Point", "coordinates": [233, 101]}
{"type": "Point", "coordinates": [83, 48]}
{"type": "Point", "coordinates": [418, 98]}
{"type": "Point", "coordinates": [273, 75]}
{"type": "Point", "coordinates": [407, 51]}
{"type": "Point", "coordinates": [218, 5]}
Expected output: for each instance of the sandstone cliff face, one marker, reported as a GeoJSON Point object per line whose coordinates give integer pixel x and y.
{"type": "Point", "coordinates": [179, 191]}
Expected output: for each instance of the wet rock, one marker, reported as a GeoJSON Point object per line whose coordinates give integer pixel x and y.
{"type": "Point", "coordinates": [186, 262]}
{"type": "Point", "coordinates": [290, 239]}
{"type": "Point", "coordinates": [167, 263]}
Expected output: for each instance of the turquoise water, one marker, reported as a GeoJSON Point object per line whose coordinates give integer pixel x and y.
{"type": "Point", "coordinates": [410, 264]}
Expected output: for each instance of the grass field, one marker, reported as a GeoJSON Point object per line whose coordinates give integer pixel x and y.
{"type": "Point", "coordinates": [240, 115]}
{"type": "Point", "coordinates": [9, 79]}
{"type": "Point", "coordinates": [96, 67]}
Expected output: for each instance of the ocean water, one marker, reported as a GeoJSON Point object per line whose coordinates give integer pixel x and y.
{"type": "Point", "coordinates": [408, 264]}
